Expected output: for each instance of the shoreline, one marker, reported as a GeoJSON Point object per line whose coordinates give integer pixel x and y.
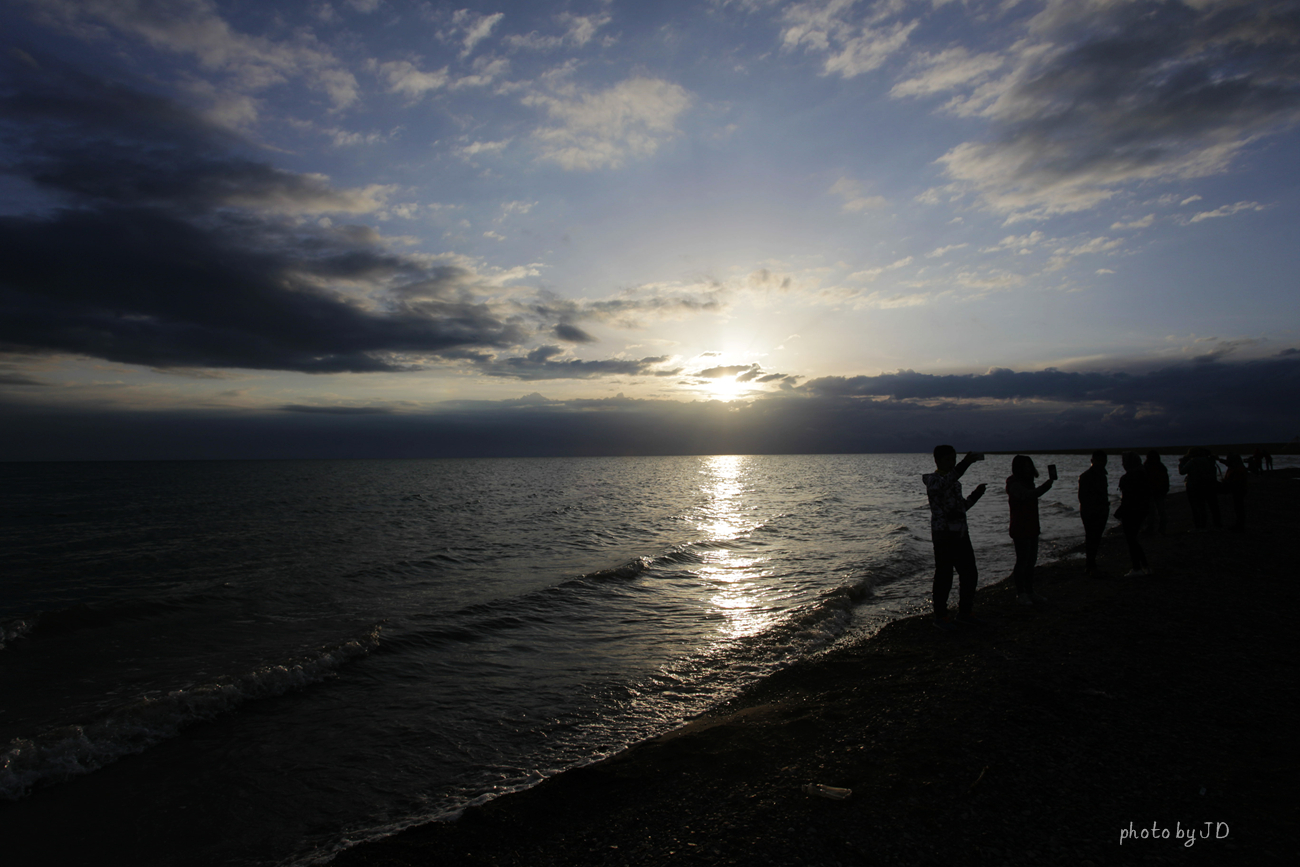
{"type": "Point", "coordinates": [1147, 704]}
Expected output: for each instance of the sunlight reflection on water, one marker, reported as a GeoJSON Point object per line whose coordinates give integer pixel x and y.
{"type": "Point", "coordinates": [728, 518]}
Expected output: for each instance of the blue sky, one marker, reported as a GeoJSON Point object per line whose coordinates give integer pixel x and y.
{"type": "Point", "coordinates": [416, 228]}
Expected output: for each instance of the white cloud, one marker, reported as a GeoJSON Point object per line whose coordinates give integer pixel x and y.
{"type": "Point", "coordinates": [517, 207]}
{"type": "Point", "coordinates": [1020, 243]}
{"type": "Point", "coordinates": [486, 71]}
{"type": "Point", "coordinates": [871, 274]}
{"type": "Point", "coordinates": [580, 29]}
{"type": "Point", "coordinates": [474, 28]}
{"type": "Point", "coordinates": [1227, 211]}
{"type": "Point", "coordinates": [944, 251]}
{"type": "Point", "coordinates": [1143, 223]}
{"type": "Point", "coordinates": [855, 198]}
{"type": "Point", "coordinates": [606, 128]}
{"type": "Point", "coordinates": [890, 301]}
{"type": "Point", "coordinates": [850, 47]}
{"type": "Point", "coordinates": [1062, 256]}
{"type": "Point", "coordinates": [947, 70]}
{"type": "Point", "coordinates": [1189, 200]}
{"type": "Point", "coordinates": [405, 77]}
{"type": "Point", "coordinates": [194, 28]}
{"type": "Point", "coordinates": [310, 194]}
{"type": "Point", "coordinates": [473, 149]}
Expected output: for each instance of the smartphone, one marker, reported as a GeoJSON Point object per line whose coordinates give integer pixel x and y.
{"type": "Point", "coordinates": [1051, 471]}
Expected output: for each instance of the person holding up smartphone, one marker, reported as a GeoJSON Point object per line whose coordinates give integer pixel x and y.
{"type": "Point", "coordinates": [950, 535]}
{"type": "Point", "coordinates": [1022, 497]}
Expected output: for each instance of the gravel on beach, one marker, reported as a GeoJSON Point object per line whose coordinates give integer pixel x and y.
{"type": "Point", "coordinates": [1133, 720]}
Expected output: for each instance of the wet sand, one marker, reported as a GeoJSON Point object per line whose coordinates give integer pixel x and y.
{"type": "Point", "coordinates": [1163, 705]}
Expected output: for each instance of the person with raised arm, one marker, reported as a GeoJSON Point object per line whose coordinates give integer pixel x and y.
{"type": "Point", "coordinates": [951, 536]}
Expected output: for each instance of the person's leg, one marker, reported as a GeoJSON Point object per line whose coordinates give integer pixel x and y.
{"type": "Point", "coordinates": [1136, 555]}
{"type": "Point", "coordinates": [943, 565]}
{"type": "Point", "coordinates": [1239, 508]}
{"type": "Point", "coordinates": [1017, 571]}
{"type": "Point", "coordinates": [1031, 560]}
{"type": "Point", "coordinates": [1212, 500]}
{"type": "Point", "coordinates": [1196, 499]}
{"type": "Point", "coordinates": [1093, 531]}
{"type": "Point", "coordinates": [1162, 516]}
{"type": "Point", "coordinates": [1026, 554]}
{"type": "Point", "coordinates": [967, 575]}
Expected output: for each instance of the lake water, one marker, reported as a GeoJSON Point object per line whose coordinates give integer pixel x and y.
{"type": "Point", "coordinates": [349, 647]}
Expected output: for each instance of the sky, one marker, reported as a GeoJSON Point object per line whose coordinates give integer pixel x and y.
{"type": "Point", "coordinates": [371, 228]}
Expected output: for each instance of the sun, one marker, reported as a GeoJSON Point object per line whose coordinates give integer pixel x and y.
{"type": "Point", "coordinates": [726, 389]}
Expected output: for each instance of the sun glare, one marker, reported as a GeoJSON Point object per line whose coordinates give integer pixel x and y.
{"type": "Point", "coordinates": [726, 389]}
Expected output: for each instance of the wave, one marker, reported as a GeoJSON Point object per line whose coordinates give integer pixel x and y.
{"type": "Point", "coordinates": [68, 751]}
{"type": "Point", "coordinates": [14, 629]}
{"type": "Point", "coordinates": [42, 624]}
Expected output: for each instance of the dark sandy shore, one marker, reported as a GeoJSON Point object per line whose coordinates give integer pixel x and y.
{"type": "Point", "coordinates": [1157, 705]}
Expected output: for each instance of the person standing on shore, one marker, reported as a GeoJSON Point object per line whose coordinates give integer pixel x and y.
{"type": "Point", "coordinates": [950, 534]}
{"type": "Point", "coordinates": [1235, 481]}
{"type": "Point", "coordinates": [1134, 503]}
{"type": "Point", "coordinates": [1158, 480]}
{"type": "Point", "coordinates": [1022, 497]}
{"type": "Point", "coordinates": [1094, 508]}
{"type": "Point", "coordinates": [1198, 465]}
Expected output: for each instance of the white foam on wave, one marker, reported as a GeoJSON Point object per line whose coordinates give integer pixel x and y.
{"type": "Point", "coordinates": [68, 751]}
{"type": "Point", "coordinates": [13, 629]}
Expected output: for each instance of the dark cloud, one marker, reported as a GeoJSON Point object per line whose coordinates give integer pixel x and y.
{"type": "Point", "coordinates": [721, 372]}
{"type": "Point", "coordinates": [1247, 387]}
{"type": "Point", "coordinates": [572, 334]}
{"type": "Point", "coordinates": [541, 364]}
{"type": "Point", "coordinates": [336, 410]}
{"type": "Point", "coordinates": [163, 247]}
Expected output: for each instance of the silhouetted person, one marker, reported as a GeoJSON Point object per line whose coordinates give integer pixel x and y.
{"type": "Point", "coordinates": [1235, 481]}
{"type": "Point", "coordinates": [1259, 459]}
{"type": "Point", "coordinates": [1134, 503]}
{"type": "Point", "coordinates": [1202, 481]}
{"type": "Point", "coordinates": [1094, 508]}
{"type": "Point", "coordinates": [1022, 497]}
{"type": "Point", "coordinates": [950, 535]}
{"type": "Point", "coordinates": [1158, 482]}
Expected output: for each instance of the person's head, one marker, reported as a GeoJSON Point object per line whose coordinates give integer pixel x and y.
{"type": "Point", "coordinates": [945, 458]}
{"type": "Point", "coordinates": [1153, 457]}
{"type": "Point", "coordinates": [1234, 460]}
{"type": "Point", "coordinates": [1099, 459]}
{"type": "Point", "coordinates": [1022, 467]}
{"type": "Point", "coordinates": [1131, 462]}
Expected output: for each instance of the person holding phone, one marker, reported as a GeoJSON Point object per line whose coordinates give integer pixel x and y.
{"type": "Point", "coordinates": [950, 535]}
{"type": "Point", "coordinates": [1022, 497]}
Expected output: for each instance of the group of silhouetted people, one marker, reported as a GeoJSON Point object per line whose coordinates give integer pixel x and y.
{"type": "Point", "coordinates": [1143, 489]}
